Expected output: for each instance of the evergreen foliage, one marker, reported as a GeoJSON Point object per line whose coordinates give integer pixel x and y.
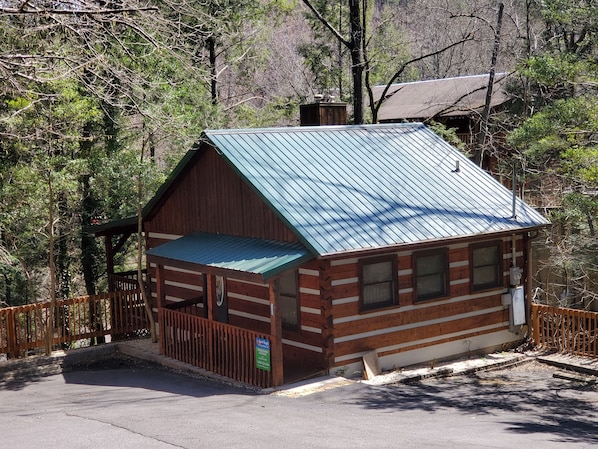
{"type": "Point", "coordinates": [95, 96]}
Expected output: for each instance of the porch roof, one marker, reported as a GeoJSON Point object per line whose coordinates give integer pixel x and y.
{"type": "Point", "coordinates": [249, 255]}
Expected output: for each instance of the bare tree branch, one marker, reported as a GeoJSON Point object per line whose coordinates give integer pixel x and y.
{"type": "Point", "coordinates": [327, 24]}
{"type": "Point", "coordinates": [375, 105]}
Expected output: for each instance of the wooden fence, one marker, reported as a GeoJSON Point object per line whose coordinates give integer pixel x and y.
{"type": "Point", "coordinates": [566, 330]}
{"type": "Point", "coordinates": [123, 281]}
{"type": "Point", "coordinates": [217, 347]}
{"type": "Point", "coordinates": [25, 328]}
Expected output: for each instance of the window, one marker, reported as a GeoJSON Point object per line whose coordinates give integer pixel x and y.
{"type": "Point", "coordinates": [378, 282]}
{"type": "Point", "coordinates": [288, 295]}
{"type": "Point", "coordinates": [431, 274]}
{"type": "Point", "coordinates": [486, 266]}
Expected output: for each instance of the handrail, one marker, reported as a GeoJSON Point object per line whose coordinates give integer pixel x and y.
{"type": "Point", "coordinates": [24, 328]}
{"type": "Point", "coordinates": [182, 304]}
{"type": "Point", "coordinates": [217, 347]}
{"type": "Point", "coordinates": [567, 330]}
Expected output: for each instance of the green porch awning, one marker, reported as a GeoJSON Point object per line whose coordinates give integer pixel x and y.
{"type": "Point", "coordinates": [266, 258]}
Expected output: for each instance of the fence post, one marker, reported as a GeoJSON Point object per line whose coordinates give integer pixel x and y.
{"type": "Point", "coordinates": [536, 323]}
{"type": "Point", "coordinates": [11, 334]}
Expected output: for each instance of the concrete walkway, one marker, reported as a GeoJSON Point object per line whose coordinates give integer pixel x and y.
{"type": "Point", "coordinates": [144, 349]}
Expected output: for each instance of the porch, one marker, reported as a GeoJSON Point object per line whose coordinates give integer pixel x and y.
{"type": "Point", "coordinates": [215, 301]}
{"type": "Point", "coordinates": [219, 305]}
{"type": "Point", "coordinates": [216, 347]}
{"type": "Point", "coordinates": [188, 336]}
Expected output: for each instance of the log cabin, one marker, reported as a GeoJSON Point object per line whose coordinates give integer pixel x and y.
{"type": "Point", "coordinates": [275, 254]}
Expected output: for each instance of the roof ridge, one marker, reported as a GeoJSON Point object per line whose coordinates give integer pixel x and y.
{"type": "Point", "coordinates": [315, 128]}
{"type": "Point", "coordinates": [443, 79]}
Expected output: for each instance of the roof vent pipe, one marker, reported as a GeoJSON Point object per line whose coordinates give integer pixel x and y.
{"type": "Point", "coordinates": [514, 185]}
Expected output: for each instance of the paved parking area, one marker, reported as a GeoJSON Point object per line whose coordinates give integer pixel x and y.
{"type": "Point", "coordinates": [119, 404]}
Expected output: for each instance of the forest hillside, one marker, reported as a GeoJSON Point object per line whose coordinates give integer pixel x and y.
{"type": "Point", "coordinates": [99, 100]}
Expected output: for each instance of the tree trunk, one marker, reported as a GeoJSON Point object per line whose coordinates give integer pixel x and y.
{"type": "Point", "coordinates": [141, 283]}
{"type": "Point", "coordinates": [479, 154]}
{"type": "Point", "coordinates": [140, 245]}
{"type": "Point", "coordinates": [52, 266]}
{"type": "Point", "coordinates": [357, 62]}
{"type": "Point", "coordinates": [213, 69]}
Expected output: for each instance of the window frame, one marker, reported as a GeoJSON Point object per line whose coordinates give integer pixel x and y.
{"type": "Point", "coordinates": [285, 325]}
{"type": "Point", "coordinates": [499, 266]}
{"type": "Point", "coordinates": [392, 259]}
{"type": "Point", "coordinates": [443, 252]}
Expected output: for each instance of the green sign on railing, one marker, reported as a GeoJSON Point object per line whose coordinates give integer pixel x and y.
{"type": "Point", "coordinates": [262, 353]}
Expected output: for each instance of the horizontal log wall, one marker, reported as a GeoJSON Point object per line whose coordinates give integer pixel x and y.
{"type": "Point", "coordinates": [411, 325]}
{"type": "Point", "coordinates": [180, 285]}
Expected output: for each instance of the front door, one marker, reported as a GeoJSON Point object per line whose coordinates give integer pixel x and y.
{"type": "Point", "coordinates": [221, 300]}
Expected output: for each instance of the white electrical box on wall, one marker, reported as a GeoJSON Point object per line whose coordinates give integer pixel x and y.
{"type": "Point", "coordinates": [517, 306]}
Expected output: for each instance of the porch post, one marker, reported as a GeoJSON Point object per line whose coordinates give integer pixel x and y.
{"type": "Point", "coordinates": [109, 254]}
{"type": "Point", "coordinates": [276, 335]}
{"type": "Point", "coordinates": [326, 311]}
{"type": "Point", "coordinates": [210, 293]}
{"type": "Point", "coordinates": [160, 285]}
{"type": "Point", "coordinates": [109, 262]}
{"type": "Point", "coordinates": [528, 260]}
{"type": "Point", "coordinates": [161, 303]}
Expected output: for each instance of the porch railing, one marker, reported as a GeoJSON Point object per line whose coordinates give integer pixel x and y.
{"type": "Point", "coordinates": [25, 328]}
{"type": "Point", "coordinates": [220, 348]}
{"type": "Point", "coordinates": [125, 280]}
{"type": "Point", "coordinates": [565, 330]}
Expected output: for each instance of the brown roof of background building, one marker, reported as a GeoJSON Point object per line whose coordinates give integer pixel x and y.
{"type": "Point", "coordinates": [422, 100]}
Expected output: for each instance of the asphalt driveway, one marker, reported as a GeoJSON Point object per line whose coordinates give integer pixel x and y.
{"type": "Point", "coordinates": [120, 404]}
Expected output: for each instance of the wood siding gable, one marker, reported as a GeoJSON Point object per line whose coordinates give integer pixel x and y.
{"type": "Point", "coordinates": [208, 196]}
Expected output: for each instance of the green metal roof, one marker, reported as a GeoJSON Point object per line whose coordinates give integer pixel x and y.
{"type": "Point", "coordinates": [263, 257]}
{"type": "Point", "coordinates": [349, 188]}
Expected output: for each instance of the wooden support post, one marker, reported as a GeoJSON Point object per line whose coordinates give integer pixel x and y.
{"type": "Point", "coordinates": [109, 262]}
{"type": "Point", "coordinates": [528, 260]}
{"type": "Point", "coordinates": [536, 324]}
{"type": "Point", "coordinates": [210, 292]}
{"type": "Point", "coordinates": [276, 335]}
{"type": "Point", "coordinates": [204, 292]}
{"type": "Point", "coordinates": [109, 254]}
{"type": "Point", "coordinates": [11, 334]}
{"type": "Point", "coordinates": [161, 300]}
{"type": "Point", "coordinates": [326, 312]}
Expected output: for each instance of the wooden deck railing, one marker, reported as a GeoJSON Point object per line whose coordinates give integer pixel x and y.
{"type": "Point", "coordinates": [213, 346]}
{"type": "Point", "coordinates": [566, 330]}
{"type": "Point", "coordinates": [467, 138]}
{"type": "Point", "coordinates": [126, 280]}
{"type": "Point", "coordinates": [25, 328]}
